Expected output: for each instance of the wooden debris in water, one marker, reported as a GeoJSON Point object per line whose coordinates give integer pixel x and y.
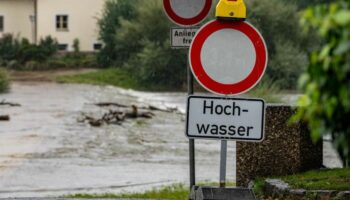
{"type": "Point", "coordinates": [150, 107]}
{"type": "Point", "coordinates": [4, 103]}
{"type": "Point", "coordinates": [4, 118]}
{"type": "Point", "coordinates": [116, 117]}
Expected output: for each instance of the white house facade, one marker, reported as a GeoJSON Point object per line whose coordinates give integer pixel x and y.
{"type": "Point", "coordinates": [65, 20]}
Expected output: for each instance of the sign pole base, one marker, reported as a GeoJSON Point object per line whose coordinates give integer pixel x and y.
{"type": "Point", "coordinates": [223, 161]}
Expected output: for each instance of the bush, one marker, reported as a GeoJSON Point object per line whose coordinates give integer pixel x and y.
{"type": "Point", "coordinates": [326, 106]}
{"type": "Point", "coordinates": [15, 52]}
{"type": "Point", "coordinates": [152, 61]}
{"type": "Point", "coordinates": [4, 81]}
{"type": "Point", "coordinates": [9, 49]}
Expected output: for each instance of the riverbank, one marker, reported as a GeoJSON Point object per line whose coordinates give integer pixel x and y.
{"type": "Point", "coordinates": [46, 75]}
{"type": "Point", "coordinates": [122, 78]}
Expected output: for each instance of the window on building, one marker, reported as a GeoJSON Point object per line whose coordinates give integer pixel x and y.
{"type": "Point", "coordinates": [1, 23]}
{"type": "Point", "coordinates": [62, 22]}
{"type": "Point", "coordinates": [62, 47]}
{"type": "Point", "coordinates": [97, 46]}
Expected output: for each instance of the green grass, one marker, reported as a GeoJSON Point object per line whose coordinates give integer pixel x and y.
{"type": "Point", "coordinates": [113, 76]}
{"type": "Point", "coordinates": [176, 191]}
{"type": "Point", "coordinates": [266, 90]}
{"type": "Point", "coordinates": [334, 179]}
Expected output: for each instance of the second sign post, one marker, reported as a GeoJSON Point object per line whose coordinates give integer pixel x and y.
{"type": "Point", "coordinates": [187, 14]}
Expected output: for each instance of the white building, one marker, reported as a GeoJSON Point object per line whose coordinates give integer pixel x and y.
{"type": "Point", "coordinates": [65, 20]}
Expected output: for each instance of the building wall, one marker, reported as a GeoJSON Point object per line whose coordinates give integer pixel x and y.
{"type": "Point", "coordinates": [17, 17]}
{"type": "Point", "coordinates": [82, 21]}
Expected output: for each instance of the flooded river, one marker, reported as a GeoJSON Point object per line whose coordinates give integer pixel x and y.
{"type": "Point", "coordinates": [44, 151]}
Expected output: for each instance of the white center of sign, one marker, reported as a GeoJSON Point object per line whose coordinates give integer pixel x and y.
{"type": "Point", "coordinates": [228, 56]}
{"type": "Point", "coordinates": [187, 8]}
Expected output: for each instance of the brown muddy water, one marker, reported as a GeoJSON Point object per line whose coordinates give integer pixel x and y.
{"type": "Point", "coordinates": [44, 151]}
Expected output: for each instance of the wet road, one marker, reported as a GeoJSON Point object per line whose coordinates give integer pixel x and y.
{"type": "Point", "coordinates": [44, 151]}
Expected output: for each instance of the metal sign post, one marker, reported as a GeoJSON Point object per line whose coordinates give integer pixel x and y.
{"type": "Point", "coordinates": [187, 13]}
{"type": "Point", "coordinates": [223, 159]}
{"type": "Point", "coordinates": [191, 141]}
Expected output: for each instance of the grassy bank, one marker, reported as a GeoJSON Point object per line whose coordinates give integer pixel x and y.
{"type": "Point", "coordinates": [176, 191]}
{"type": "Point", "coordinates": [122, 78]}
{"type": "Point", "coordinates": [335, 179]}
{"type": "Point", "coordinates": [4, 81]}
{"type": "Point", "coordinates": [330, 179]}
{"type": "Point", "coordinates": [112, 76]}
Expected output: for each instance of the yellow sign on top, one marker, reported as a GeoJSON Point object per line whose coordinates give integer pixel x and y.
{"type": "Point", "coordinates": [231, 10]}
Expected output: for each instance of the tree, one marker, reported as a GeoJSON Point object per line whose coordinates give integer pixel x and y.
{"type": "Point", "coordinates": [326, 104]}
{"type": "Point", "coordinates": [278, 22]}
{"type": "Point", "coordinates": [302, 4]}
{"type": "Point", "coordinates": [114, 11]}
{"type": "Point", "coordinates": [151, 60]}
{"type": "Point", "coordinates": [129, 40]}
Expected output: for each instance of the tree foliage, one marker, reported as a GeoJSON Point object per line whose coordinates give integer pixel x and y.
{"type": "Point", "coordinates": [326, 104]}
{"type": "Point", "coordinates": [278, 22]}
{"type": "Point", "coordinates": [152, 60]}
{"type": "Point", "coordinates": [137, 37]}
{"type": "Point", "coordinates": [114, 52]}
{"type": "Point", "coordinates": [303, 4]}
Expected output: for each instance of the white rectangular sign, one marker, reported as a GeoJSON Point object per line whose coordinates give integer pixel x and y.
{"type": "Point", "coordinates": [182, 37]}
{"type": "Point", "coordinates": [225, 118]}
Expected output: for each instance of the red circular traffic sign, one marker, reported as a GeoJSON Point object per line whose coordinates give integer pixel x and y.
{"type": "Point", "coordinates": [228, 57]}
{"type": "Point", "coordinates": [187, 13]}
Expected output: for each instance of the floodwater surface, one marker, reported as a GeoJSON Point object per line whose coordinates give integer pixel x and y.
{"type": "Point", "coordinates": [45, 151]}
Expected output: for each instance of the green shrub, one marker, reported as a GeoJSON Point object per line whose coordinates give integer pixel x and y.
{"type": "Point", "coordinates": [9, 48]}
{"type": "Point", "coordinates": [154, 63]}
{"type": "Point", "coordinates": [57, 64]}
{"type": "Point", "coordinates": [76, 46]}
{"type": "Point", "coordinates": [326, 106]}
{"type": "Point", "coordinates": [4, 81]}
{"type": "Point", "coordinates": [267, 90]}
{"type": "Point", "coordinates": [89, 62]}
{"type": "Point", "coordinates": [15, 52]}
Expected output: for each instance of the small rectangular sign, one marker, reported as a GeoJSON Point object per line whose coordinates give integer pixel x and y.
{"type": "Point", "coordinates": [224, 118]}
{"type": "Point", "coordinates": [182, 37]}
